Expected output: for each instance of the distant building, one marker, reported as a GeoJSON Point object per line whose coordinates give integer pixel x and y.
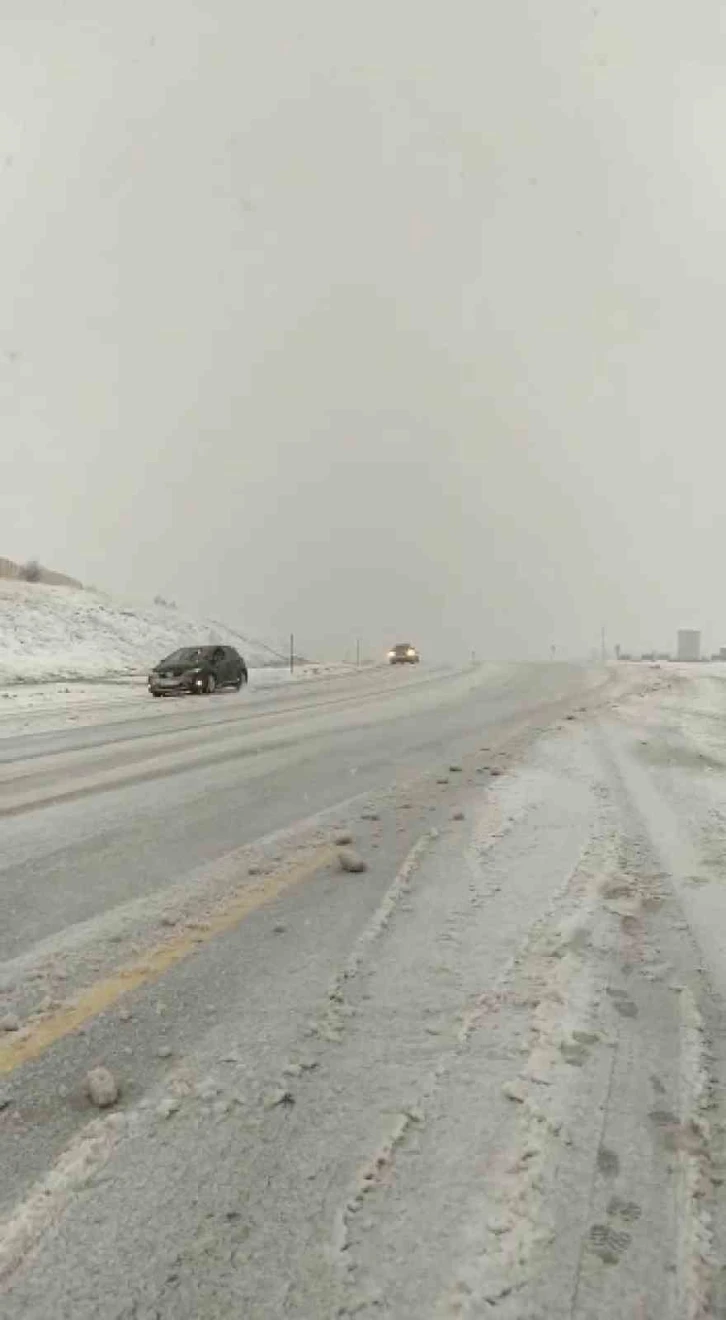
{"type": "Point", "coordinates": [689, 645]}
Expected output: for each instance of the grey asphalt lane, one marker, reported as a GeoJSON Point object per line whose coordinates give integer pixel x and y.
{"type": "Point", "coordinates": [137, 810]}
{"type": "Point", "coordinates": [134, 714]}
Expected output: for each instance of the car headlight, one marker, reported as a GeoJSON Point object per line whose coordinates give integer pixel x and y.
{"type": "Point", "coordinates": [391, 655]}
{"type": "Point", "coordinates": [410, 651]}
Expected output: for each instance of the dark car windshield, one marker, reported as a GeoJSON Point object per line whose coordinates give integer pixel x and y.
{"type": "Point", "coordinates": [189, 655]}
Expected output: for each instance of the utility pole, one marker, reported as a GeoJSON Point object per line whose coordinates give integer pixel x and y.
{"type": "Point", "coordinates": [357, 652]}
{"type": "Point", "coordinates": [292, 653]}
{"type": "Point", "coordinates": [602, 645]}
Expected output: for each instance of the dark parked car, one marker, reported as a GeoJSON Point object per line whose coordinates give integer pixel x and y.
{"type": "Point", "coordinates": [198, 669]}
{"type": "Point", "coordinates": [403, 653]}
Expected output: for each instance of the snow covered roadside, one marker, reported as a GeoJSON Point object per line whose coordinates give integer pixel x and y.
{"type": "Point", "coordinates": [49, 634]}
{"type": "Point", "coordinates": [68, 654]}
{"type": "Point", "coordinates": [552, 1004]}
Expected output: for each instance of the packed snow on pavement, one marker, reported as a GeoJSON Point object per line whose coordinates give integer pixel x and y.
{"type": "Point", "coordinates": [507, 1098]}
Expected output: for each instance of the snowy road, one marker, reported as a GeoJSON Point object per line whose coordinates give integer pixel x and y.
{"type": "Point", "coordinates": [483, 1078]}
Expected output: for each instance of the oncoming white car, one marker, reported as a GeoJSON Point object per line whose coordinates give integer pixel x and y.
{"type": "Point", "coordinates": [403, 653]}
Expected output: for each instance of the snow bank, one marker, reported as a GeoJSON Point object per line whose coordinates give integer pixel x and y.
{"type": "Point", "coordinates": [49, 633]}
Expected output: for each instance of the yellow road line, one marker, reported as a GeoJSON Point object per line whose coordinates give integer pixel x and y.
{"type": "Point", "coordinates": [39, 1036]}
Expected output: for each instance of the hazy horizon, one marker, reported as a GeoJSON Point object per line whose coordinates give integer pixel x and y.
{"type": "Point", "coordinates": [378, 321]}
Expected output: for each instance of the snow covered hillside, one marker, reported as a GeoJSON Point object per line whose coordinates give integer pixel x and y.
{"type": "Point", "coordinates": [58, 632]}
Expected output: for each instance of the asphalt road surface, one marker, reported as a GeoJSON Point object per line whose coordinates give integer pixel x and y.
{"type": "Point", "coordinates": [95, 816]}
{"type": "Point", "coordinates": [468, 1080]}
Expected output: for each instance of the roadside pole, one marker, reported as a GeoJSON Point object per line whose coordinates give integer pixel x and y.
{"type": "Point", "coordinates": [357, 652]}
{"type": "Point", "coordinates": [292, 653]}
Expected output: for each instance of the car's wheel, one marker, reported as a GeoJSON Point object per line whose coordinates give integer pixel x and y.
{"type": "Point", "coordinates": [156, 694]}
{"type": "Point", "coordinates": [241, 681]}
{"type": "Point", "coordinates": [210, 684]}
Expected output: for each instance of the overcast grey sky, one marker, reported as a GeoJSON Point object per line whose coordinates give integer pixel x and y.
{"type": "Point", "coordinates": [402, 318]}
